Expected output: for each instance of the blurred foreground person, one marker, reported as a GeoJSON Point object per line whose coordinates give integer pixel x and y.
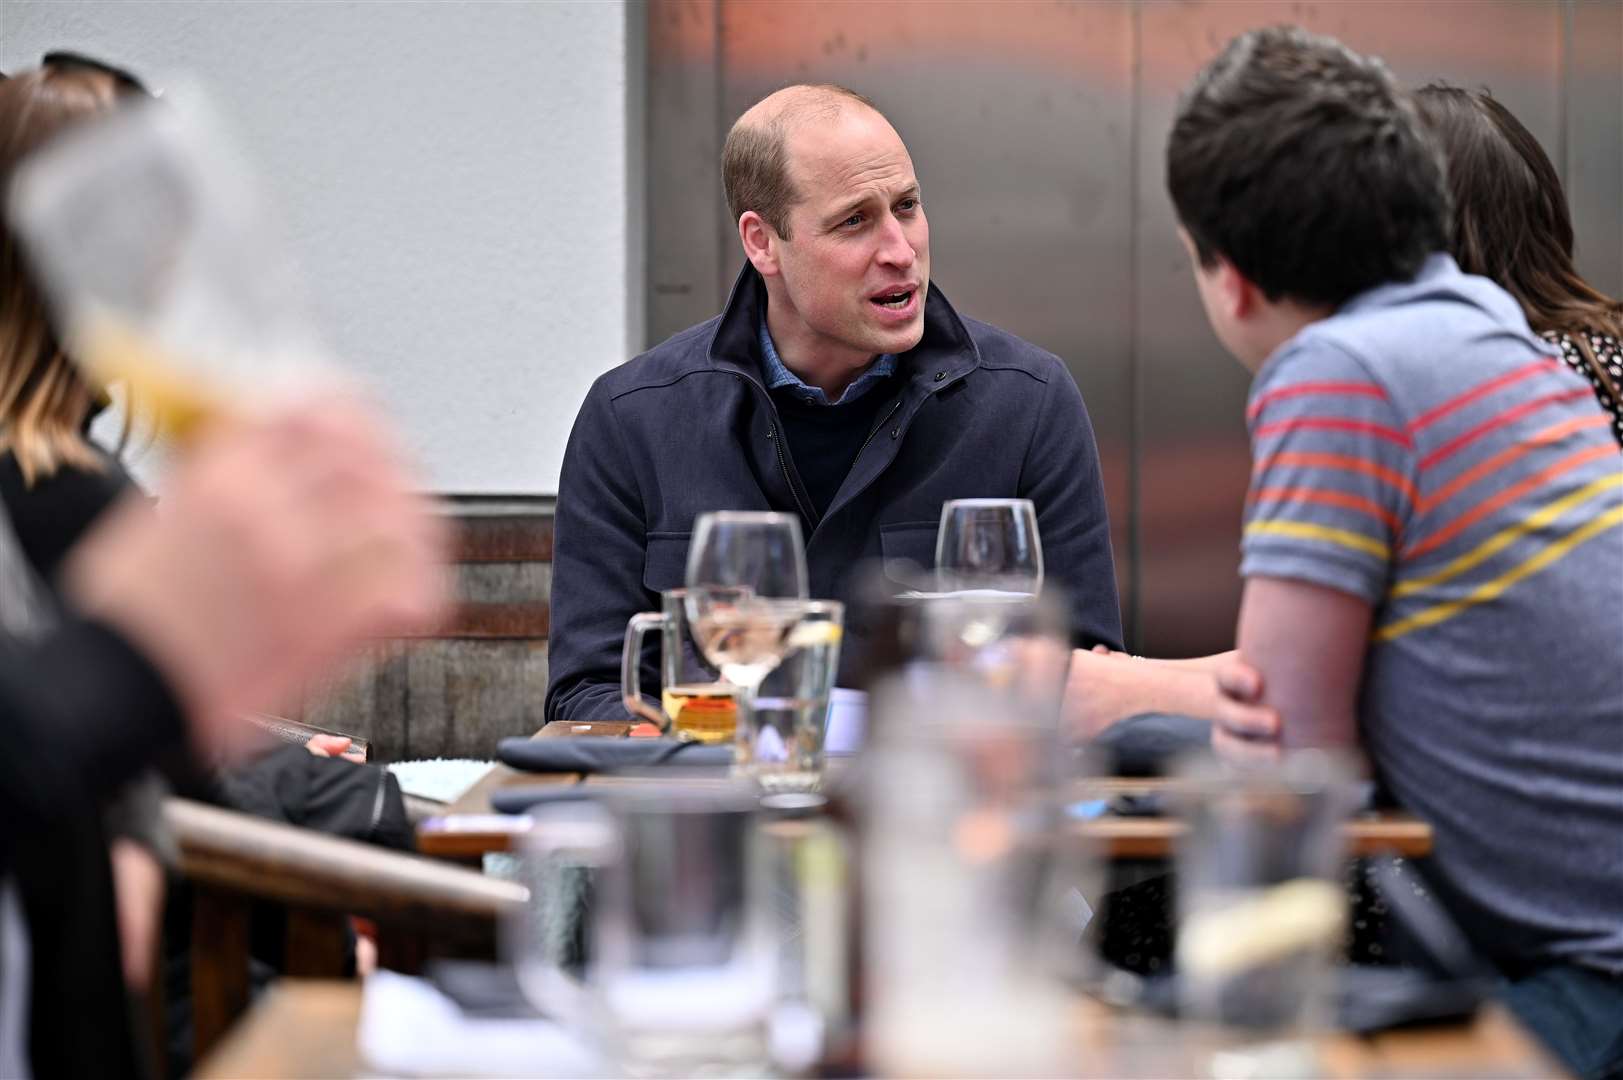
{"type": "Point", "coordinates": [839, 385]}
{"type": "Point", "coordinates": [1511, 224]}
{"type": "Point", "coordinates": [81, 712]}
{"type": "Point", "coordinates": [1434, 531]}
{"type": "Point", "coordinates": [285, 540]}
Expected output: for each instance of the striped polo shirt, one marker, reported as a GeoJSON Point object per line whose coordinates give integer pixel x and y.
{"type": "Point", "coordinates": [1422, 450]}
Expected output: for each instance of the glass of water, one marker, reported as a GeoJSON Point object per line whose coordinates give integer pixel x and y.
{"type": "Point", "coordinates": [782, 722]}
{"type": "Point", "coordinates": [1261, 905]}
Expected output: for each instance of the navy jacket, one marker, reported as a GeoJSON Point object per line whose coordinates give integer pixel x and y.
{"type": "Point", "coordinates": [688, 427]}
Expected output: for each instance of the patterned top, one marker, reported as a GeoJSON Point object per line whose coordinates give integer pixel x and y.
{"type": "Point", "coordinates": [1608, 352]}
{"type": "Point", "coordinates": [1420, 449]}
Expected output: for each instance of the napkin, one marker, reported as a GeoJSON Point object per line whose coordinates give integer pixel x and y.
{"type": "Point", "coordinates": [601, 753]}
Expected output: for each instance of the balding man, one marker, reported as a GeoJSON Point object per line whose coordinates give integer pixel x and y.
{"type": "Point", "coordinates": [838, 384]}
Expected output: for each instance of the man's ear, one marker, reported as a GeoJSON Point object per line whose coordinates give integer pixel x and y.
{"type": "Point", "coordinates": [760, 242]}
{"type": "Point", "coordinates": [1240, 296]}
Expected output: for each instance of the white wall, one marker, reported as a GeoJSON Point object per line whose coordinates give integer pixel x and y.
{"type": "Point", "coordinates": [453, 178]}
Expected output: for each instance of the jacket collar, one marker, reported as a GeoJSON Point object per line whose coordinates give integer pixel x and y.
{"type": "Point", "coordinates": [945, 348]}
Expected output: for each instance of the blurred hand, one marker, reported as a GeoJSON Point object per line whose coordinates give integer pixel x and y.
{"type": "Point", "coordinates": [283, 541]}
{"type": "Point", "coordinates": [332, 746]}
{"type": "Point", "coordinates": [138, 902]}
{"type": "Point", "coordinates": [1244, 729]}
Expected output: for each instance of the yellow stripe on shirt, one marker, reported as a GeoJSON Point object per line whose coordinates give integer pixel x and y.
{"type": "Point", "coordinates": [1489, 590]}
{"type": "Point", "coordinates": [1505, 537]}
{"type": "Point", "coordinates": [1306, 531]}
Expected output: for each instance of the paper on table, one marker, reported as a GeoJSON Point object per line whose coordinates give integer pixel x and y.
{"type": "Point", "coordinates": [847, 721]}
{"type": "Point", "coordinates": [441, 779]}
{"type": "Point", "coordinates": [409, 1028]}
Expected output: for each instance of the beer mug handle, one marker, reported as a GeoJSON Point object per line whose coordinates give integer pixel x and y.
{"type": "Point", "coordinates": [631, 669]}
{"type": "Point", "coordinates": [580, 836]}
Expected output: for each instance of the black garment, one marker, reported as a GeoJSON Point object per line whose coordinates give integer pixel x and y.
{"type": "Point", "coordinates": [50, 516]}
{"type": "Point", "coordinates": [824, 440]}
{"type": "Point", "coordinates": [689, 427]}
{"type": "Point", "coordinates": [80, 713]}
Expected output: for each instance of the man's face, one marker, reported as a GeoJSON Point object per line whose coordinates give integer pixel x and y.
{"type": "Point", "coordinates": [857, 265]}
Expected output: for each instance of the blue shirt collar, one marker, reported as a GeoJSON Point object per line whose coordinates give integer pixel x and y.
{"type": "Point", "coordinates": [778, 375]}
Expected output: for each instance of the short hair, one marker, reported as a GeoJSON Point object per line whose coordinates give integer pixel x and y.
{"type": "Point", "coordinates": [755, 157]}
{"type": "Point", "coordinates": [1303, 164]}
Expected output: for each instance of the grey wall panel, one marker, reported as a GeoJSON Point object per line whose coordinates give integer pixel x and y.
{"type": "Point", "coordinates": [683, 184]}
{"type": "Point", "coordinates": [1594, 138]}
{"type": "Point", "coordinates": [1194, 459]}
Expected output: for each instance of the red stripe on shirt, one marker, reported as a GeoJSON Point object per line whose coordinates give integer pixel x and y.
{"type": "Point", "coordinates": [1342, 462]}
{"type": "Point", "coordinates": [1357, 389]}
{"type": "Point", "coordinates": [1509, 416]}
{"type": "Point", "coordinates": [1477, 393]}
{"type": "Point", "coordinates": [1503, 498]}
{"type": "Point", "coordinates": [1336, 423]}
{"type": "Point", "coordinates": [1327, 498]}
{"type": "Point", "coordinates": [1553, 433]}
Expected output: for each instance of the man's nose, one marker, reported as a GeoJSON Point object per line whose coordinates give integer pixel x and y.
{"type": "Point", "coordinates": [895, 249]}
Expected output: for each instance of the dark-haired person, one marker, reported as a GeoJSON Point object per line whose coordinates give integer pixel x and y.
{"type": "Point", "coordinates": [1434, 531]}
{"type": "Point", "coordinates": [838, 384]}
{"type": "Point", "coordinates": [1511, 224]}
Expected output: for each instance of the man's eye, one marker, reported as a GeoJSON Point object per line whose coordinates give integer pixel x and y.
{"type": "Point", "coordinates": [907, 205]}
{"type": "Point", "coordinates": [851, 222]}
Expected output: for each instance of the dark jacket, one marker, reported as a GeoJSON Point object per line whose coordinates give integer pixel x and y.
{"type": "Point", "coordinates": [688, 427]}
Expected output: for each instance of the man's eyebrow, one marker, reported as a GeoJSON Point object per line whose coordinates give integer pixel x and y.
{"type": "Point", "coordinates": [834, 217]}
{"type": "Point", "coordinates": [847, 209]}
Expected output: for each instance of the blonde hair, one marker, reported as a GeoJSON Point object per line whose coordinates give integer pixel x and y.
{"type": "Point", "coordinates": [44, 399]}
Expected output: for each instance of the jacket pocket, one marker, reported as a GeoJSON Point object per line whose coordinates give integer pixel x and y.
{"type": "Point", "coordinates": [908, 549]}
{"type": "Point", "coordinates": [665, 565]}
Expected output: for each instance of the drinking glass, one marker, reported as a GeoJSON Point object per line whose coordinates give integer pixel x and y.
{"type": "Point", "coordinates": [960, 797]}
{"type": "Point", "coordinates": [781, 724]}
{"type": "Point", "coordinates": [694, 703]}
{"type": "Point", "coordinates": [679, 976]}
{"type": "Point", "coordinates": [157, 256]}
{"type": "Point", "coordinates": [746, 582]}
{"type": "Point", "coordinates": [1261, 904]}
{"type": "Point", "coordinates": [990, 545]}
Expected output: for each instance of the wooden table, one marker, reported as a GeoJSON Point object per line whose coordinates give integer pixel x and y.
{"type": "Point", "coordinates": [307, 1029]}
{"type": "Point", "coordinates": [469, 828]}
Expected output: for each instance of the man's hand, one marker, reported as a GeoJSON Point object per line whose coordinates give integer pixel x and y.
{"type": "Point", "coordinates": [1243, 730]}
{"type": "Point", "coordinates": [282, 542]}
{"type": "Point", "coordinates": [1104, 687]}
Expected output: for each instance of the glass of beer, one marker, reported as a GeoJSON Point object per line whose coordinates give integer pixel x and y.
{"type": "Point", "coordinates": [157, 255]}
{"type": "Point", "coordinates": [694, 703]}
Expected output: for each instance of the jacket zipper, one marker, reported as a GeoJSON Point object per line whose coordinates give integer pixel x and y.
{"type": "Point", "coordinates": [783, 463]}
{"type": "Point", "coordinates": [897, 404]}
{"type": "Point", "coordinates": [777, 447]}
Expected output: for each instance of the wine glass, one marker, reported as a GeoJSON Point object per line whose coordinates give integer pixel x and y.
{"type": "Point", "coordinates": [746, 582]}
{"type": "Point", "coordinates": [989, 545]}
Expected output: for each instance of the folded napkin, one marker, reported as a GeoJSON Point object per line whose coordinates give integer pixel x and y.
{"type": "Point", "coordinates": [600, 754]}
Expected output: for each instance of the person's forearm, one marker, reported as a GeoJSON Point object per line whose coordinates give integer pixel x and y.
{"type": "Point", "coordinates": [1184, 687]}
{"type": "Point", "coordinates": [1206, 665]}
